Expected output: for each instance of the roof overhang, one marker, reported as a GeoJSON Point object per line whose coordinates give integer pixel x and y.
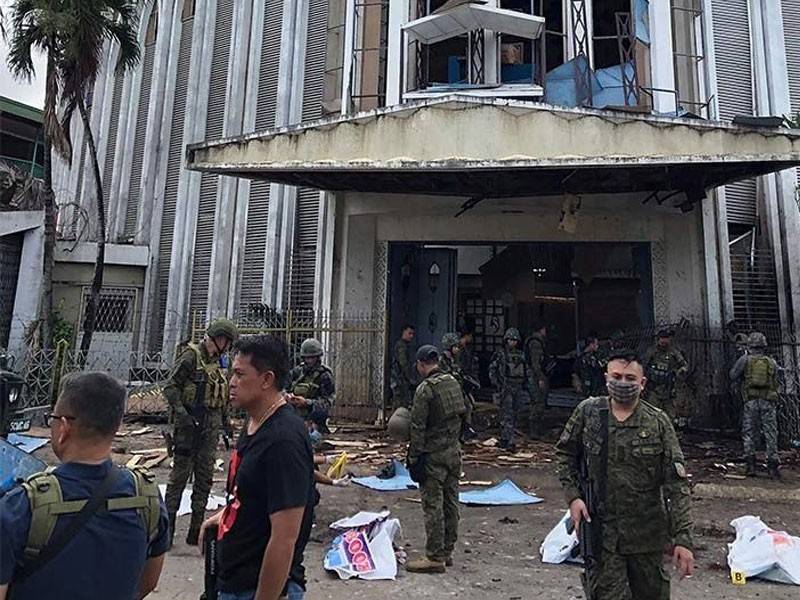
{"type": "Point", "coordinates": [464, 18]}
{"type": "Point", "coordinates": [470, 147]}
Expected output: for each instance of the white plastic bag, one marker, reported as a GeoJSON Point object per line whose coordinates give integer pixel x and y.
{"type": "Point", "coordinates": [561, 543]}
{"type": "Point", "coordinates": [759, 551]}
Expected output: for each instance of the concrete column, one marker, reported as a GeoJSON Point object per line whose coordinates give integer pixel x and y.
{"type": "Point", "coordinates": [28, 294]}
{"type": "Point", "coordinates": [188, 196]}
{"type": "Point", "coordinates": [661, 55]}
{"type": "Point", "coordinates": [713, 298]}
{"type": "Point", "coordinates": [325, 252]}
{"type": "Point", "coordinates": [347, 58]}
{"type": "Point", "coordinates": [396, 55]}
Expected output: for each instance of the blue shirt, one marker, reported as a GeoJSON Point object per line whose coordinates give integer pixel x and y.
{"type": "Point", "coordinates": [106, 557]}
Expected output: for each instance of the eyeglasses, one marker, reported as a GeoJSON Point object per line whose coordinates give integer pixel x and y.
{"type": "Point", "coordinates": [50, 417]}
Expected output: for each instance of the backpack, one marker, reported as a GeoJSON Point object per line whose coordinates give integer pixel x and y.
{"type": "Point", "coordinates": [47, 504]}
{"type": "Point", "coordinates": [759, 374]}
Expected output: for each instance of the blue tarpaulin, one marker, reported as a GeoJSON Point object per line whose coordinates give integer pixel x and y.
{"type": "Point", "coordinates": [26, 442]}
{"type": "Point", "coordinates": [400, 481]}
{"type": "Point", "coordinates": [16, 465]}
{"type": "Point", "coordinates": [505, 493]}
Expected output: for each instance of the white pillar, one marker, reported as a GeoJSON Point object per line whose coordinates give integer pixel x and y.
{"type": "Point", "coordinates": [713, 298]}
{"type": "Point", "coordinates": [29, 292]}
{"type": "Point", "coordinates": [661, 55]}
{"type": "Point", "coordinates": [396, 55]}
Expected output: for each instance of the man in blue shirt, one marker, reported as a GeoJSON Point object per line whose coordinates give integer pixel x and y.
{"type": "Point", "coordinates": [119, 552]}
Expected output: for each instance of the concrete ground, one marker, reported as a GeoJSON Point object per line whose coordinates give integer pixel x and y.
{"type": "Point", "coordinates": [497, 554]}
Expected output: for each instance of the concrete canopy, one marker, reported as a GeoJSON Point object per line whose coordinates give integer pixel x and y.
{"type": "Point", "coordinates": [488, 148]}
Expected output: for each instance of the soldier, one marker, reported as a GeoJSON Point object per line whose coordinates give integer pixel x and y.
{"type": "Point", "coordinates": [631, 453]}
{"type": "Point", "coordinates": [467, 358]}
{"type": "Point", "coordinates": [449, 363]}
{"type": "Point", "coordinates": [759, 375]}
{"type": "Point", "coordinates": [434, 459]}
{"type": "Point", "coordinates": [663, 364]}
{"type": "Point", "coordinates": [590, 369]}
{"type": "Point", "coordinates": [311, 389]}
{"type": "Point", "coordinates": [403, 379]}
{"type": "Point", "coordinates": [197, 394]}
{"type": "Point", "coordinates": [511, 378]}
{"type": "Point", "coordinates": [536, 353]}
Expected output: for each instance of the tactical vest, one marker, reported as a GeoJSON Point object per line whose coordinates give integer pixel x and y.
{"type": "Point", "coordinates": [307, 385]}
{"type": "Point", "coordinates": [514, 366]}
{"type": "Point", "coordinates": [759, 378]}
{"type": "Point", "coordinates": [47, 504]}
{"type": "Point", "coordinates": [658, 372]}
{"type": "Point", "coordinates": [448, 398]}
{"type": "Point", "coordinates": [209, 376]}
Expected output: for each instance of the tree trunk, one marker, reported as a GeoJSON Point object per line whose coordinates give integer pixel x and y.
{"type": "Point", "coordinates": [97, 281]}
{"type": "Point", "coordinates": [48, 259]}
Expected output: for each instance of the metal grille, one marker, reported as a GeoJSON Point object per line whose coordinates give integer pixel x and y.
{"type": "Point", "coordinates": [111, 142]}
{"type": "Point", "coordinates": [755, 287]}
{"type": "Point", "coordinates": [10, 252]}
{"type": "Point", "coordinates": [626, 43]}
{"type": "Point", "coordinates": [580, 47]}
{"type": "Point", "coordinates": [791, 35]}
{"type": "Point", "coordinates": [204, 233]}
{"type": "Point", "coordinates": [255, 243]}
{"type": "Point", "coordinates": [137, 158]}
{"type": "Point", "coordinates": [174, 163]}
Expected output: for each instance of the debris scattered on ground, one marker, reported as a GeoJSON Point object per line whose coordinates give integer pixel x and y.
{"type": "Point", "coordinates": [759, 551]}
{"type": "Point", "coordinates": [400, 481]}
{"type": "Point", "coordinates": [365, 547]}
{"type": "Point", "coordinates": [505, 493]}
{"type": "Point", "coordinates": [214, 502]}
{"type": "Point", "coordinates": [508, 521]}
{"type": "Point", "coordinates": [477, 483]}
{"type": "Point", "coordinates": [219, 465]}
{"type": "Point", "coordinates": [490, 443]}
{"type": "Point", "coordinates": [561, 544]}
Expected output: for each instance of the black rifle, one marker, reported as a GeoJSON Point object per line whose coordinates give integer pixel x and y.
{"type": "Point", "coordinates": [210, 552]}
{"type": "Point", "coordinates": [198, 413]}
{"type": "Point", "coordinates": [594, 494]}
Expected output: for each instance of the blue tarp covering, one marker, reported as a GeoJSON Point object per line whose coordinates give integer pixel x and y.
{"type": "Point", "coordinates": [641, 19]}
{"type": "Point", "coordinates": [400, 481]}
{"type": "Point", "coordinates": [16, 465]}
{"type": "Point", "coordinates": [505, 493]}
{"type": "Point", "coordinates": [607, 89]}
{"type": "Point", "coordinates": [26, 442]}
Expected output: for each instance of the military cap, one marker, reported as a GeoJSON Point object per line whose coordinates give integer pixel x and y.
{"type": "Point", "coordinates": [224, 327]}
{"type": "Point", "coordinates": [512, 333]}
{"type": "Point", "coordinates": [449, 340]}
{"type": "Point", "coordinates": [427, 353]}
{"type": "Point", "coordinates": [757, 340]}
{"type": "Point", "coordinates": [311, 347]}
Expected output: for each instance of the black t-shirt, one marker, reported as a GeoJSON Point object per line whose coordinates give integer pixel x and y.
{"type": "Point", "coordinates": [270, 471]}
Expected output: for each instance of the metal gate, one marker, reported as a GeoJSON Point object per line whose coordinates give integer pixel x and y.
{"type": "Point", "coordinates": [10, 253]}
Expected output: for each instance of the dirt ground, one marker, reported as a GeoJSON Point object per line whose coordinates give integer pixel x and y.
{"type": "Point", "coordinates": [497, 554]}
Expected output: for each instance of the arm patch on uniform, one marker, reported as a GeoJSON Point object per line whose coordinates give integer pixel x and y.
{"type": "Point", "coordinates": [680, 470]}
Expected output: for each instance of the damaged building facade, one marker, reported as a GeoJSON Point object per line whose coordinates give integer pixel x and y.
{"type": "Point", "coordinates": [587, 163]}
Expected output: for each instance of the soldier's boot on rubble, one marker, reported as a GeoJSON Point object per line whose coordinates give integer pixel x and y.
{"type": "Point", "coordinates": [425, 565]}
{"type": "Point", "coordinates": [774, 471]}
{"type": "Point", "coordinates": [172, 517]}
{"type": "Point", "coordinates": [193, 536]}
{"type": "Point", "coordinates": [751, 466]}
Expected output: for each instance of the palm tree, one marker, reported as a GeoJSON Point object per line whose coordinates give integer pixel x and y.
{"type": "Point", "coordinates": [72, 34]}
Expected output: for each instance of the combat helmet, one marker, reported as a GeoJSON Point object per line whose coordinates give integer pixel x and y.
{"type": "Point", "coordinates": [512, 333]}
{"type": "Point", "coordinates": [310, 348]}
{"type": "Point", "coordinates": [449, 340]}
{"type": "Point", "coordinates": [757, 340]}
{"type": "Point", "coordinates": [224, 327]}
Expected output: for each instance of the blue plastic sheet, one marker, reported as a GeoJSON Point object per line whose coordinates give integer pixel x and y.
{"type": "Point", "coordinates": [16, 465]}
{"type": "Point", "coordinates": [26, 442]}
{"type": "Point", "coordinates": [505, 493]}
{"type": "Point", "coordinates": [400, 481]}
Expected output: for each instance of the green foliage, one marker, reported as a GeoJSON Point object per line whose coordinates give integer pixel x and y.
{"type": "Point", "coordinates": [62, 328]}
{"type": "Point", "coordinates": [792, 122]}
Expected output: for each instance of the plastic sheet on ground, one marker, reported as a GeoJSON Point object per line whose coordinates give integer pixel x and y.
{"type": "Point", "coordinates": [27, 443]}
{"type": "Point", "coordinates": [505, 493]}
{"type": "Point", "coordinates": [561, 544]}
{"type": "Point", "coordinates": [16, 465]}
{"type": "Point", "coordinates": [400, 481]}
{"type": "Point", "coordinates": [365, 547]}
{"type": "Point", "coordinates": [759, 551]}
{"type": "Point", "coordinates": [214, 502]}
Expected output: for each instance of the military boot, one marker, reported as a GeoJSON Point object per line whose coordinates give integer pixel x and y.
{"type": "Point", "coordinates": [425, 565]}
{"type": "Point", "coordinates": [751, 466]}
{"type": "Point", "coordinates": [171, 533]}
{"type": "Point", "coordinates": [193, 536]}
{"type": "Point", "coordinates": [774, 472]}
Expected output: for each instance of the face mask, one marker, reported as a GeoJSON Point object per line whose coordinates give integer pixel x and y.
{"type": "Point", "coordinates": [624, 392]}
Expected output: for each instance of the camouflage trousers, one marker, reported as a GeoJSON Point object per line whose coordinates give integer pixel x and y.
{"type": "Point", "coordinates": [515, 405]}
{"type": "Point", "coordinates": [439, 494]}
{"type": "Point", "coordinates": [760, 417]}
{"type": "Point", "coordinates": [631, 576]}
{"type": "Point", "coordinates": [195, 453]}
{"type": "Point", "coordinates": [538, 404]}
{"type": "Point", "coordinates": [664, 401]}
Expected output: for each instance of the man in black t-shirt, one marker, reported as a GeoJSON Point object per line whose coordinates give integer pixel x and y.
{"type": "Point", "coordinates": [264, 528]}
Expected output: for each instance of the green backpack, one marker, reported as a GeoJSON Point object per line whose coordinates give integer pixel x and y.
{"type": "Point", "coordinates": [759, 375]}
{"type": "Point", "coordinates": [47, 504]}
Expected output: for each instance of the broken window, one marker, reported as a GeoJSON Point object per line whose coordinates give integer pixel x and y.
{"type": "Point", "coordinates": [605, 43]}
{"type": "Point", "coordinates": [516, 53]}
{"type": "Point", "coordinates": [688, 50]}
{"type": "Point", "coordinates": [555, 39]}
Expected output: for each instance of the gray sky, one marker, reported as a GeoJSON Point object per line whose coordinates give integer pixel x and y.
{"type": "Point", "coordinates": [30, 93]}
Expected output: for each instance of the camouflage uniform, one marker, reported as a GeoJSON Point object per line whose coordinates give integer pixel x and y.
{"type": "Point", "coordinates": [197, 394]}
{"type": "Point", "coordinates": [647, 504]}
{"type": "Point", "coordinates": [759, 382]}
{"type": "Point", "coordinates": [469, 363]}
{"type": "Point", "coordinates": [436, 421]}
{"type": "Point", "coordinates": [451, 364]}
{"type": "Point", "coordinates": [316, 385]}
{"type": "Point", "coordinates": [537, 357]}
{"type": "Point", "coordinates": [661, 367]}
{"type": "Point", "coordinates": [403, 378]}
{"type": "Point", "coordinates": [591, 374]}
{"type": "Point", "coordinates": [511, 378]}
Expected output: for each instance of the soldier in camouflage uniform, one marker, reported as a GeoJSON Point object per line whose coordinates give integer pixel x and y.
{"type": "Point", "coordinates": [511, 379]}
{"type": "Point", "coordinates": [536, 353]}
{"type": "Point", "coordinates": [434, 459]}
{"type": "Point", "coordinates": [590, 369]}
{"type": "Point", "coordinates": [311, 389]}
{"type": "Point", "coordinates": [663, 364]}
{"type": "Point", "coordinates": [449, 363]}
{"type": "Point", "coordinates": [646, 505]}
{"type": "Point", "coordinates": [197, 394]}
{"type": "Point", "coordinates": [402, 376]}
{"type": "Point", "coordinates": [467, 358]}
{"type": "Point", "coordinates": [759, 376]}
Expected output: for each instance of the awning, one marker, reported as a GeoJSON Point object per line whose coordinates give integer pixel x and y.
{"type": "Point", "coordinates": [471, 147]}
{"type": "Point", "coordinates": [463, 18]}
